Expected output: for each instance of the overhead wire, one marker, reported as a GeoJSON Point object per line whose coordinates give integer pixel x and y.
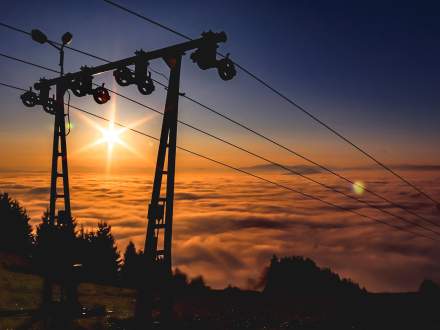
{"type": "Point", "coordinates": [290, 101]}
{"type": "Point", "coordinates": [203, 106]}
{"type": "Point", "coordinates": [274, 183]}
{"type": "Point", "coordinates": [274, 163]}
{"type": "Point", "coordinates": [286, 168]}
{"type": "Point", "coordinates": [29, 63]}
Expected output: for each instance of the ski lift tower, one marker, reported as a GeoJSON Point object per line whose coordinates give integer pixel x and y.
{"type": "Point", "coordinates": [157, 252]}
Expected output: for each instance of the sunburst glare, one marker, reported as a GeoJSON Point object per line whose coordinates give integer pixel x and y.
{"type": "Point", "coordinates": [111, 135]}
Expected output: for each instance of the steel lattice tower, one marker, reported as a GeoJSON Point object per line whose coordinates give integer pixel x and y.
{"type": "Point", "coordinates": [59, 155]}
{"type": "Point", "coordinates": [156, 276]}
{"type": "Point", "coordinates": [160, 211]}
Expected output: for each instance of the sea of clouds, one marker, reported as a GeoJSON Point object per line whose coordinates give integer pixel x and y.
{"type": "Point", "coordinates": [227, 227]}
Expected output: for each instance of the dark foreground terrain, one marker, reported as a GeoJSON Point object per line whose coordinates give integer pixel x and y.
{"type": "Point", "coordinates": [108, 307]}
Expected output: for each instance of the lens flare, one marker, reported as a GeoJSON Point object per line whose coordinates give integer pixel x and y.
{"type": "Point", "coordinates": [358, 187]}
{"type": "Point", "coordinates": [110, 135]}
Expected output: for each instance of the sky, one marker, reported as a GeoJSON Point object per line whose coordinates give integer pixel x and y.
{"type": "Point", "coordinates": [368, 69]}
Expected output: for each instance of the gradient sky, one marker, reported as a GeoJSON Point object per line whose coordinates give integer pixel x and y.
{"type": "Point", "coordinates": [369, 69]}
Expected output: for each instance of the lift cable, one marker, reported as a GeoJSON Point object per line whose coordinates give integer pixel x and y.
{"type": "Point", "coordinates": [290, 101]}
{"type": "Point", "coordinates": [274, 183]}
{"type": "Point", "coordinates": [275, 163]}
{"type": "Point", "coordinates": [203, 106]}
{"type": "Point", "coordinates": [29, 63]}
{"type": "Point", "coordinates": [285, 167]}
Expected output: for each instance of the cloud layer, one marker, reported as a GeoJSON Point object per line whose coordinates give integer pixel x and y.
{"type": "Point", "coordinates": [227, 227]}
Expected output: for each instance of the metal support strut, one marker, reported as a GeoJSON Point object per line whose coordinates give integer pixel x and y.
{"type": "Point", "coordinates": [160, 212]}
{"type": "Point", "coordinates": [59, 153]}
{"type": "Point", "coordinates": [63, 219]}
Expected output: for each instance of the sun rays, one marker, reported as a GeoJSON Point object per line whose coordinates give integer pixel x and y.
{"type": "Point", "coordinates": [112, 135]}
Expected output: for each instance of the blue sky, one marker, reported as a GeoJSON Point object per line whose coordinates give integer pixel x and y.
{"type": "Point", "coordinates": [371, 70]}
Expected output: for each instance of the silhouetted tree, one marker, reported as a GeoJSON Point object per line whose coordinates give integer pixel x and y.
{"type": "Point", "coordinates": [129, 257]}
{"type": "Point", "coordinates": [197, 284]}
{"type": "Point", "coordinates": [180, 277]}
{"type": "Point", "coordinates": [102, 261]}
{"type": "Point", "coordinates": [131, 270]}
{"type": "Point", "coordinates": [180, 281]}
{"type": "Point", "coordinates": [45, 244]}
{"type": "Point", "coordinates": [15, 231]}
{"type": "Point", "coordinates": [429, 288]}
{"type": "Point", "coordinates": [85, 251]}
{"type": "Point", "coordinates": [301, 276]}
{"type": "Point", "coordinates": [55, 244]}
{"type": "Point", "coordinates": [55, 254]}
{"type": "Point", "coordinates": [430, 294]}
{"type": "Point", "coordinates": [44, 264]}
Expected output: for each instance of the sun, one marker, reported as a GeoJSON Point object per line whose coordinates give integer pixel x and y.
{"type": "Point", "coordinates": [111, 135]}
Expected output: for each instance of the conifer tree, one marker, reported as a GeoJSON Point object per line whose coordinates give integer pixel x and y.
{"type": "Point", "coordinates": [130, 270]}
{"type": "Point", "coordinates": [15, 231]}
{"type": "Point", "coordinates": [104, 256]}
